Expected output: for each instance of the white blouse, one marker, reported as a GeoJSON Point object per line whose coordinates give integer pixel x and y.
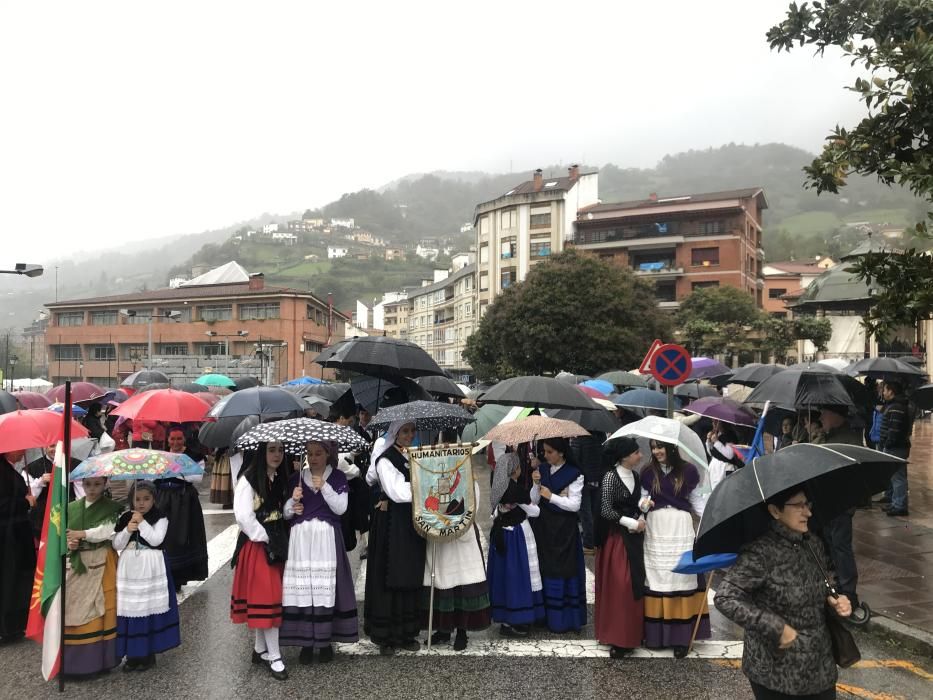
{"type": "Point", "coordinates": [153, 534]}
{"type": "Point", "coordinates": [571, 502]}
{"type": "Point", "coordinates": [337, 502]}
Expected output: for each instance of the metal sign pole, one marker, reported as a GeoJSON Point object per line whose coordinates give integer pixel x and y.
{"type": "Point", "coordinates": [670, 402]}
{"type": "Point", "coordinates": [431, 597]}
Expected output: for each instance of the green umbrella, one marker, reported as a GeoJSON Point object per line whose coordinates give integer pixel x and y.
{"type": "Point", "coordinates": [626, 379]}
{"type": "Point", "coordinates": [215, 380]}
{"type": "Point", "coordinates": [488, 417]}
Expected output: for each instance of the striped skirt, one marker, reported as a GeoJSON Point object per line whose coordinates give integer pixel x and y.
{"type": "Point", "coordinates": [256, 598]}
{"type": "Point", "coordinates": [92, 647]}
{"type": "Point", "coordinates": [221, 482]}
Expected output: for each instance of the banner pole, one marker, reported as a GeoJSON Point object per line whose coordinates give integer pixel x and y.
{"type": "Point", "coordinates": [66, 445]}
{"type": "Point", "coordinates": [431, 598]}
{"type": "Point", "coordinates": [705, 603]}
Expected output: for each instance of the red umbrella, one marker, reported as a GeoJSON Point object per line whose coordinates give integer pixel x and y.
{"type": "Point", "coordinates": [167, 405]}
{"type": "Point", "coordinates": [22, 430]}
{"type": "Point", "coordinates": [207, 396]}
{"type": "Point", "coordinates": [80, 391]}
{"type": "Point", "coordinates": [32, 399]}
{"type": "Point", "coordinates": [591, 392]}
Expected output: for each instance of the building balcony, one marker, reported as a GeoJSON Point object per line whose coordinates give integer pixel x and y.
{"type": "Point", "coordinates": [760, 254]}
{"type": "Point", "coordinates": [658, 270]}
{"type": "Point", "coordinates": [669, 305]}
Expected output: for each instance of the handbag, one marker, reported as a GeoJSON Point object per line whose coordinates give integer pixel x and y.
{"type": "Point", "coordinates": [845, 651]}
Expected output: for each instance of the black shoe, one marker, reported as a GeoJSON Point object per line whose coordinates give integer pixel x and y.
{"type": "Point", "coordinates": [440, 638]}
{"type": "Point", "coordinates": [147, 663]}
{"type": "Point", "coordinates": [386, 650]}
{"type": "Point", "coordinates": [327, 654]}
{"type": "Point", "coordinates": [619, 652]}
{"type": "Point", "coordinates": [131, 665]}
{"type": "Point", "coordinates": [12, 638]}
{"type": "Point", "coordinates": [257, 657]}
{"type": "Point", "coordinates": [410, 645]}
{"type": "Point", "coordinates": [897, 513]}
{"type": "Point", "coordinates": [513, 631]}
{"type": "Point", "coordinates": [306, 656]}
{"type": "Point", "coordinates": [278, 675]}
{"type": "Point", "coordinates": [460, 642]}
{"type": "Point", "coordinates": [680, 652]}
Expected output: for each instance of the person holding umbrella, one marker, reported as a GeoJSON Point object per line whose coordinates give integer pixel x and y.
{"type": "Point", "coordinates": [894, 439]}
{"type": "Point", "coordinates": [777, 592]}
{"type": "Point", "coordinates": [17, 550]}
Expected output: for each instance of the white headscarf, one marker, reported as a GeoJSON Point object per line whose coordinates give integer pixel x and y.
{"type": "Point", "coordinates": [383, 443]}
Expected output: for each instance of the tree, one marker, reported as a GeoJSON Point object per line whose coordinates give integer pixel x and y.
{"type": "Point", "coordinates": [891, 40]}
{"type": "Point", "coordinates": [719, 305]}
{"type": "Point", "coordinates": [818, 331]}
{"type": "Point", "coordinates": [778, 335]}
{"type": "Point", "coordinates": [573, 312]}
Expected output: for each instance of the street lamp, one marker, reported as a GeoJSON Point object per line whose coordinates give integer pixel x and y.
{"type": "Point", "coordinates": [28, 269]}
{"type": "Point", "coordinates": [13, 359]}
{"type": "Point", "coordinates": [173, 315]}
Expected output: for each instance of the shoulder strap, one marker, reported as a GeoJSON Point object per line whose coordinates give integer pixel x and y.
{"type": "Point", "coordinates": [819, 564]}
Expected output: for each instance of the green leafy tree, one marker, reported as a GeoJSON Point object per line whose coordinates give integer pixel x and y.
{"type": "Point", "coordinates": [778, 334]}
{"type": "Point", "coordinates": [719, 305]}
{"type": "Point", "coordinates": [818, 331]}
{"type": "Point", "coordinates": [891, 40]}
{"type": "Point", "coordinates": [574, 312]}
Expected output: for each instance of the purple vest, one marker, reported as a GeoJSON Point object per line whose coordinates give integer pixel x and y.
{"type": "Point", "coordinates": [315, 507]}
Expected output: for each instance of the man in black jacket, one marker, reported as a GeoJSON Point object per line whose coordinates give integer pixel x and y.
{"type": "Point", "coordinates": [588, 456]}
{"type": "Point", "coordinates": [896, 428]}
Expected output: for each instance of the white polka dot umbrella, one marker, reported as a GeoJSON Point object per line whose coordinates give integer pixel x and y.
{"type": "Point", "coordinates": [295, 433]}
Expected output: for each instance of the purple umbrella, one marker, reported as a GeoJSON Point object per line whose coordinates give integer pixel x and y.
{"type": "Point", "coordinates": [706, 367]}
{"type": "Point", "coordinates": [726, 410]}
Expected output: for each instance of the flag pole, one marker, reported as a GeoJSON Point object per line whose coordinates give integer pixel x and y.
{"type": "Point", "coordinates": [63, 485]}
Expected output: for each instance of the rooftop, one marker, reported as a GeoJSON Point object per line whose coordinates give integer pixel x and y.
{"type": "Point", "coordinates": [746, 193]}
{"type": "Point", "coordinates": [794, 267]}
{"type": "Point", "coordinates": [447, 281]}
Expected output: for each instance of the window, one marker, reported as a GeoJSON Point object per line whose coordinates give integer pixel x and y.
{"type": "Point", "coordinates": [66, 352]}
{"type": "Point", "coordinates": [711, 227]}
{"type": "Point", "coordinates": [216, 313]}
{"type": "Point", "coordinates": [313, 346]}
{"type": "Point", "coordinates": [102, 352]}
{"type": "Point", "coordinates": [704, 257]}
{"type": "Point", "coordinates": [483, 254]}
{"type": "Point", "coordinates": [507, 248]}
{"type": "Point", "coordinates": [184, 313]}
{"type": "Point", "coordinates": [70, 318]}
{"type": "Point", "coordinates": [173, 349]}
{"type": "Point", "coordinates": [139, 317]}
{"type": "Point", "coordinates": [257, 312]}
{"type": "Point", "coordinates": [468, 309]}
{"type": "Point", "coordinates": [540, 248]}
{"type": "Point", "coordinates": [540, 220]}
{"type": "Point", "coordinates": [665, 291]}
{"type": "Point", "coordinates": [209, 349]}
{"type": "Point", "coordinates": [133, 352]}
{"type": "Point", "coordinates": [484, 226]}
{"type": "Point", "coordinates": [484, 281]}
{"type": "Point", "coordinates": [103, 318]}
{"type": "Point", "coordinates": [508, 219]}
{"type": "Point", "coordinates": [100, 381]}
{"type": "Point", "coordinates": [468, 283]}
{"type": "Point", "coordinates": [775, 293]}
{"type": "Point", "coordinates": [704, 285]}
{"type": "Point", "coordinates": [507, 277]}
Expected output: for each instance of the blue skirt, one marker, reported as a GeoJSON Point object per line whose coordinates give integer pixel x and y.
{"type": "Point", "coordinates": [565, 599]}
{"type": "Point", "coordinates": [510, 595]}
{"type": "Point", "coordinates": [138, 637]}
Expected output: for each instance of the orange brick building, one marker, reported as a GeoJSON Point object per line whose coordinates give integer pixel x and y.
{"type": "Point", "coordinates": [235, 328]}
{"type": "Point", "coordinates": [682, 243]}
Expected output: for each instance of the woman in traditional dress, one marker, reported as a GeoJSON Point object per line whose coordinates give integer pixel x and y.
{"type": "Point", "coordinates": [395, 571]}
{"type": "Point", "coordinates": [147, 611]}
{"type": "Point", "coordinates": [558, 488]}
{"type": "Point", "coordinates": [620, 562]}
{"type": "Point", "coordinates": [221, 483]}
{"type": "Point", "coordinates": [672, 601]}
{"type": "Point", "coordinates": [318, 600]}
{"type": "Point", "coordinates": [259, 558]}
{"type": "Point", "coordinates": [186, 541]}
{"type": "Point", "coordinates": [17, 550]}
{"type": "Point", "coordinates": [515, 589]}
{"type": "Point", "coordinates": [91, 584]}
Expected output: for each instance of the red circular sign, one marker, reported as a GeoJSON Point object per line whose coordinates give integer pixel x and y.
{"type": "Point", "coordinates": [671, 364]}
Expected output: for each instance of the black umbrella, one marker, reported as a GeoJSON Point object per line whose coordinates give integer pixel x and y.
{"type": "Point", "coordinates": [190, 387]}
{"type": "Point", "coordinates": [224, 431]}
{"type": "Point", "coordinates": [623, 379]}
{"type": "Point", "coordinates": [538, 392]}
{"type": "Point", "coordinates": [837, 477]}
{"type": "Point", "coordinates": [440, 386]}
{"type": "Point", "coordinates": [379, 356]}
{"type": "Point", "coordinates": [156, 386]}
{"type": "Point", "coordinates": [144, 377]}
{"type": "Point", "coordinates": [330, 392]}
{"type": "Point", "coordinates": [7, 402]}
{"type": "Point", "coordinates": [755, 373]}
{"type": "Point", "coordinates": [595, 420]}
{"type": "Point", "coordinates": [246, 383]}
{"type": "Point", "coordinates": [886, 368]}
{"type": "Point", "coordinates": [720, 380]}
{"type": "Point", "coordinates": [426, 415]}
{"type": "Point", "coordinates": [794, 388]}
{"type": "Point", "coordinates": [372, 393]}
{"type": "Point", "coordinates": [911, 359]}
{"type": "Point", "coordinates": [295, 433]}
{"type": "Point", "coordinates": [258, 401]}
{"type": "Point", "coordinates": [694, 391]}
{"type": "Point", "coordinates": [815, 367]}
{"type": "Point", "coordinates": [923, 397]}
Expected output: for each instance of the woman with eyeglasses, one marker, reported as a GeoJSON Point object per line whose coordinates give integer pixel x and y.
{"type": "Point", "coordinates": [776, 591]}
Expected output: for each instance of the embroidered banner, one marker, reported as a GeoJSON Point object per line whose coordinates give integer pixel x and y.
{"type": "Point", "coordinates": [443, 497]}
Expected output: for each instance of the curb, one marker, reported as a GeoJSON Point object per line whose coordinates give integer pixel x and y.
{"type": "Point", "coordinates": [912, 638]}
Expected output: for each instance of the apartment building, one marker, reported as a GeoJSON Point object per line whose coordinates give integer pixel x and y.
{"type": "Point", "coordinates": [442, 315]}
{"type": "Point", "coordinates": [788, 279]}
{"type": "Point", "coordinates": [682, 243]}
{"type": "Point", "coordinates": [526, 225]}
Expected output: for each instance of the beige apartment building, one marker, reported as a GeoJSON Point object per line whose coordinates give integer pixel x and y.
{"type": "Point", "coordinates": [525, 226]}
{"type": "Point", "coordinates": [395, 318]}
{"type": "Point", "coordinates": [442, 315]}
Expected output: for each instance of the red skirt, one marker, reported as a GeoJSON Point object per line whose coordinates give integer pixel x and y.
{"type": "Point", "coordinates": [257, 589]}
{"type": "Point", "coordinates": [619, 619]}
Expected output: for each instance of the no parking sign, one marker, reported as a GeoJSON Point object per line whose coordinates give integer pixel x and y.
{"type": "Point", "coordinates": [671, 364]}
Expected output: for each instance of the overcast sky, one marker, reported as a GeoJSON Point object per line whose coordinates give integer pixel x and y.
{"type": "Point", "coordinates": [125, 120]}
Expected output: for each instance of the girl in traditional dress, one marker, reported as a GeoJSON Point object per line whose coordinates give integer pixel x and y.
{"type": "Point", "coordinates": [515, 589]}
{"type": "Point", "coordinates": [395, 571]}
{"type": "Point", "coordinates": [91, 584]}
{"type": "Point", "coordinates": [318, 599]}
{"type": "Point", "coordinates": [17, 550]}
{"type": "Point", "coordinates": [558, 488]}
{"type": "Point", "coordinates": [186, 541]}
{"type": "Point", "coordinates": [147, 611]}
{"type": "Point", "coordinates": [620, 563]}
{"type": "Point", "coordinates": [672, 601]}
{"type": "Point", "coordinates": [260, 554]}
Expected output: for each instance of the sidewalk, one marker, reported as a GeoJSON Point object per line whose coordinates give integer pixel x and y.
{"type": "Point", "coordinates": [895, 555]}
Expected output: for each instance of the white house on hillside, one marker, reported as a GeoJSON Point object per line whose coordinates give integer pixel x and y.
{"type": "Point", "coordinates": [336, 252]}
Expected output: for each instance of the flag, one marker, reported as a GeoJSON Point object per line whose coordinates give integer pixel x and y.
{"type": "Point", "coordinates": [45, 608]}
{"type": "Point", "coordinates": [758, 443]}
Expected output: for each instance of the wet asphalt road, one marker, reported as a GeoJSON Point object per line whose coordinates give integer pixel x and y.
{"type": "Point", "coordinates": [214, 662]}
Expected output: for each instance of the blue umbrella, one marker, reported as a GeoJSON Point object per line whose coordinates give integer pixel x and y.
{"type": "Point", "coordinates": [60, 408]}
{"type": "Point", "coordinates": [303, 381]}
{"type": "Point", "coordinates": [711, 562]}
{"type": "Point", "coordinates": [641, 398]}
{"type": "Point", "coordinates": [601, 385]}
